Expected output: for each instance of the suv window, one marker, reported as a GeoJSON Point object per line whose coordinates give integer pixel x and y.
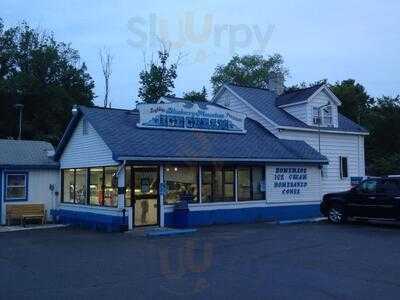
{"type": "Point", "coordinates": [368, 186]}
{"type": "Point", "coordinates": [389, 186]}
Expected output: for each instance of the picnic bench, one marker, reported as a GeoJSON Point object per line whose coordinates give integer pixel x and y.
{"type": "Point", "coordinates": [24, 212]}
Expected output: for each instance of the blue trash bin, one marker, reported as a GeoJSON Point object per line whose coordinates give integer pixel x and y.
{"type": "Point", "coordinates": [181, 212]}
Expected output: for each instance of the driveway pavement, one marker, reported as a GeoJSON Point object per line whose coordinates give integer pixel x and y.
{"type": "Point", "coordinates": [259, 261]}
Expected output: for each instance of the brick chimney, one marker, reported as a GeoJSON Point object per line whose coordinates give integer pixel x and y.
{"type": "Point", "coordinates": [275, 83]}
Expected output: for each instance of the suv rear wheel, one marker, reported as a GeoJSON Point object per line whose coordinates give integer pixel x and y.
{"type": "Point", "coordinates": [336, 214]}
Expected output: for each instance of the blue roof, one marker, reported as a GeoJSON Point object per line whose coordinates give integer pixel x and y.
{"type": "Point", "coordinates": [118, 128]}
{"type": "Point", "coordinates": [26, 154]}
{"type": "Point", "coordinates": [296, 96]}
{"type": "Point", "coordinates": [266, 101]}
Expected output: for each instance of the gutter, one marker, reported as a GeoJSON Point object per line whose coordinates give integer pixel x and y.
{"type": "Point", "coordinates": [322, 130]}
{"type": "Point", "coordinates": [207, 159]}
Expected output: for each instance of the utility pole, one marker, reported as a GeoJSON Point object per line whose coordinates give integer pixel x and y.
{"type": "Point", "coordinates": [20, 108]}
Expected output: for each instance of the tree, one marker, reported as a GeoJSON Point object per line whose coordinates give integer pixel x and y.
{"type": "Point", "coordinates": [157, 79]}
{"type": "Point", "coordinates": [383, 143]}
{"type": "Point", "coordinates": [354, 98]}
{"type": "Point", "coordinates": [196, 95]}
{"type": "Point", "coordinates": [106, 60]}
{"type": "Point", "coordinates": [45, 76]}
{"type": "Point", "coordinates": [249, 70]}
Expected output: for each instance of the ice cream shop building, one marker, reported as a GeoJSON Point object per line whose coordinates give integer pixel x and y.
{"type": "Point", "coordinates": [248, 155]}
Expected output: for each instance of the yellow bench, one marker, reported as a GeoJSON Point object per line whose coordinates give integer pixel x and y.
{"type": "Point", "coordinates": [24, 212]}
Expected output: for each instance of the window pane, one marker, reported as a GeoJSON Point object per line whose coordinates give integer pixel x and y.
{"type": "Point", "coordinates": [96, 186]}
{"type": "Point", "coordinates": [218, 194]}
{"type": "Point", "coordinates": [258, 178]}
{"type": "Point", "coordinates": [68, 189]}
{"type": "Point", "coordinates": [128, 185]}
{"type": "Point", "coordinates": [16, 180]}
{"type": "Point", "coordinates": [15, 192]}
{"type": "Point", "coordinates": [180, 181]}
{"type": "Point", "coordinates": [80, 186]}
{"type": "Point", "coordinates": [110, 191]}
{"type": "Point", "coordinates": [244, 184]}
{"type": "Point", "coordinates": [206, 177]}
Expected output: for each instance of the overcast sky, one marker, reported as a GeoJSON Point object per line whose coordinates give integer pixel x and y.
{"type": "Point", "coordinates": [334, 40]}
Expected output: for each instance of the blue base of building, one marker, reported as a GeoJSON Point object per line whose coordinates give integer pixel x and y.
{"type": "Point", "coordinates": [90, 220]}
{"type": "Point", "coordinates": [247, 215]}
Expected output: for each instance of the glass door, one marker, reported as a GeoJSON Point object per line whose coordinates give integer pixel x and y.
{"type": "Point", "coordinates": [145, 195]}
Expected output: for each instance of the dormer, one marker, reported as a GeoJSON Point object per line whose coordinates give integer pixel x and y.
{"type": "Point", "coordinates": [315, 106]}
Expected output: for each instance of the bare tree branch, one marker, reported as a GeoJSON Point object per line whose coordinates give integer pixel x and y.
{"type": "Point", "coordinates": [106, 60]}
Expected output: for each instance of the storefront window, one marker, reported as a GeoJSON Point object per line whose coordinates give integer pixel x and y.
{"type": "Point", "coordinates": [69, 184]}
{"type": "Point", "coordinates": [258, 184]}
{"type": "Point", "coordinates": [250, 182]}
{"type": "Point", "coordinates": [181, 181]}
{"type": "Point", "coordinates": [244, 184]}
{"type": "Point", "coordinates": [80, 186]}
{"type": "Point", "coordinates": [110, 186]}
{"type": "Point", "coordinates": [128, 186]}
{"type": "Point", "coordinates": [96, 186]}
{"type": "Point", "coordinates": [221, 182]}
{"type": "Point", "coordinates": [206, 186]}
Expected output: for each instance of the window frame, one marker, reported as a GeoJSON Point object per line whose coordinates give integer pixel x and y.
{"type": "Point", "coordinates": [88, 193]}
{"type": "Point", "coordinates": [343, 172]}
{"type": "Point", "coordinates": [327, 113]}
{"type": "Point", "coordinates": [213, 170]}
{"type": "Point", "coordinates": [251, 169]}
{"type": "Point", "coordinates": [26, 186]}
{"type": "Point", "coordinates": [197, 181]}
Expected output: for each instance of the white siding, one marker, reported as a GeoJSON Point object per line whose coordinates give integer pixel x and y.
{"type": "Point", "coordinates": [298, 111]}
{"type": "Point", "coordinates": [229, 100]}
{"type": "Point", "coordinates": [87, 150]}
{"type": "Point", "coordinates": [333, 146]}
{"type": "Point", "coordinates": [318, 100]}
{"type": "Point", "coordinates": [38, 190]}
{"type": "Point", "coordinates": [310, 193]}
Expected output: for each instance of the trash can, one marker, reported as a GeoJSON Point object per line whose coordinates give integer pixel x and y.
{"type": "Point", "coordinates": [181, 212]}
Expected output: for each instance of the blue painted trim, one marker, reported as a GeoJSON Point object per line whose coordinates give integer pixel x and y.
{"type": "Point", "coordinates": [1, 195]}
{"type": "Point", "coordinates": [6, 173]}
{"type": "Point", "coordinates": [30, 167]}
{"type": "Point", "coordinates": [247, 215]}
{"type": "Point", "coordinates": [96, 221]}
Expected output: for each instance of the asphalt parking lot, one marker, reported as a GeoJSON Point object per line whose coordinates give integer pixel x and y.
{"type": "Point", "coordinates": [258, 261]}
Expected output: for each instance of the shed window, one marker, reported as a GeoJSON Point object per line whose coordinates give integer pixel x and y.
{"type": "Point", "coordinates": [16, 187]}
{"type": "Point", "coordinates": [344, 172]}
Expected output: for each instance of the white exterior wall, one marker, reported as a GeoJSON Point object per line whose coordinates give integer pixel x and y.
{"type": "Point", "coordinates": [86, 150]}
{"type": "Point", "coordinates": [333, 146]}
{"type": "Point", "coordinates": [38, 190]}
{"type": "Point", "coordinates": [299, 111]}
{"type": "Point", "coordinates": [310, 193]}
{"type": "Point", "coordinates": [229, 100]}
{"type": "Point", "coordinates": [318, 100]}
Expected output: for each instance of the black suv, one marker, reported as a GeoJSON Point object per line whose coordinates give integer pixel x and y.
{"type": "Point", "coordinates": [375, 198]}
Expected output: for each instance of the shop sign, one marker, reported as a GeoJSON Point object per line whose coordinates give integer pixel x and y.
{"type": "Point", "coordinates": [190, 116]}
{"type": "Point", "coordinates": [290, 180]}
